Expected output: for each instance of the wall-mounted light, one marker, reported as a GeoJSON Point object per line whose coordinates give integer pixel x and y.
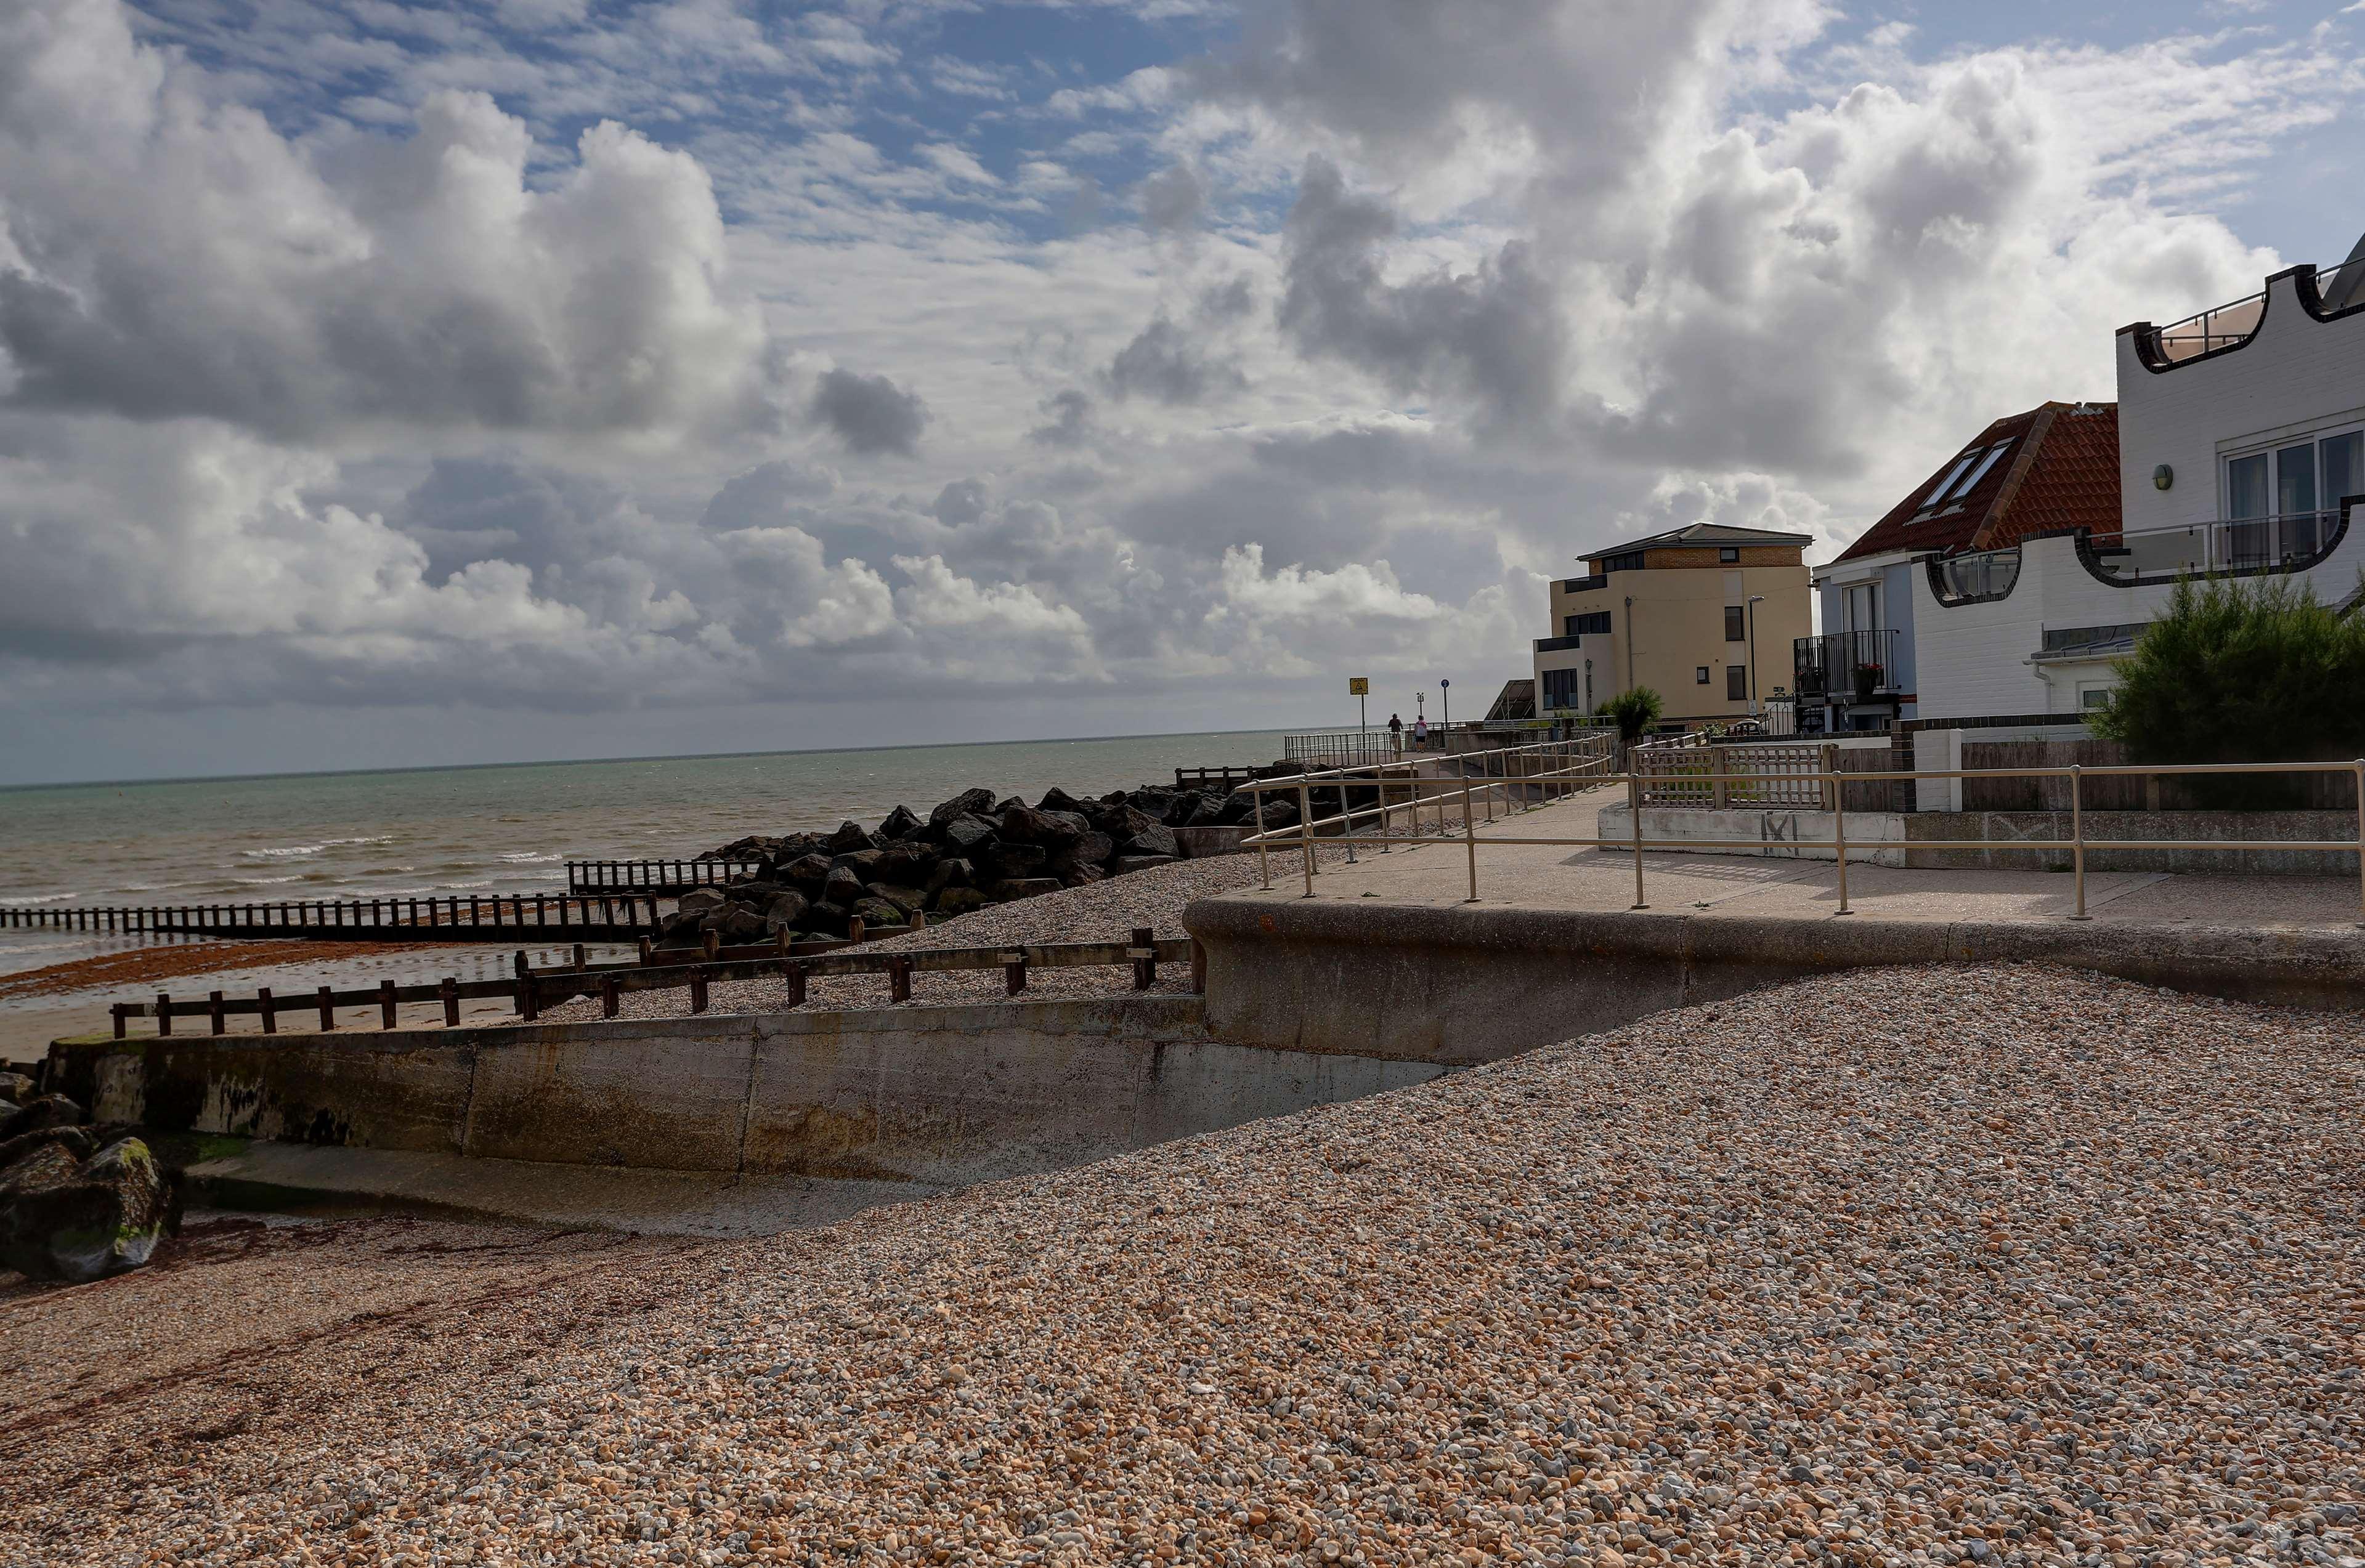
{"type": "Point", "coordinates": [2162, 477]}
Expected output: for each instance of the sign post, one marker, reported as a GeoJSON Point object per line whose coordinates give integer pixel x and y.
{"type": "Point", "coordinates": [1359, 687]}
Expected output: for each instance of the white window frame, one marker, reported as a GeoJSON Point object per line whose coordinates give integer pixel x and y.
{"type": "Point", "coordinates": [2267, 447]}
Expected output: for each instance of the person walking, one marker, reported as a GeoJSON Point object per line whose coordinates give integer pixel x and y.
{"type": "Point", "coordinates": [1395, 734]}
{"type": "Point", "coordinates": [1420, 732]}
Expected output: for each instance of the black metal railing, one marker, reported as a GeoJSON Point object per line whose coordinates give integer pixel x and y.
{"type": "Point", "coordinates": [1848, 666]}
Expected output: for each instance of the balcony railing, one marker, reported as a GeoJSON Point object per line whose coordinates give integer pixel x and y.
{"type": "Point", "coordinates": [1846, 665]}
{"type": "Point", "coordinates": [2218, 328]}
{"type": "Point", "coordinates": [2247, 546]}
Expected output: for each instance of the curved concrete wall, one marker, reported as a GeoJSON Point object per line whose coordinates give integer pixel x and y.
{"type": "Point", "coordinates": [944, 1096]}
{"type": "Point", "coordinates": [1458, 986]}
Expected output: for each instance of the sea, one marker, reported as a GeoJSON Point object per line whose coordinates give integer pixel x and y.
{"type": "Point", "coordinates": [496, 829]}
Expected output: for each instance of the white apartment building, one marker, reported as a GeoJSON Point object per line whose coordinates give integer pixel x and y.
{"type": "Point", "coordinates": [2016, 580]}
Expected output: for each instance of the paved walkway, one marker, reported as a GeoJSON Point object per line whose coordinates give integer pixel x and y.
{"type": "Point", "coordinates": [1557, 877]}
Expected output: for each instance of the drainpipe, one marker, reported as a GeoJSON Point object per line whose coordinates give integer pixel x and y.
{"type": "Point", "coordinates": [1630, 642]}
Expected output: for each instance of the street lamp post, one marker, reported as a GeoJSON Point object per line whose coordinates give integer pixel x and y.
{"type": "Point", "coordinates": [1753, 600]}
{"type": "Point", "coordinates": [1445, 697]}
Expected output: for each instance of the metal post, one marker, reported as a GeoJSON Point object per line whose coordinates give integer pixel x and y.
{"type": "Point", "coordinates": [2077, 840]}
{"type": "Point", "coordinates": [1470, 840]}
{"type": "Point", "coordinates": [1265, 866]}
{"type": "Point", "coordinates": [1634, 811]}
{"type": "Point", "coordinates": [1839, 830]}
{"type": "Point", "coordinates": [1305, 831]}
{"type": "Point", "coordinates": [2361, 835]}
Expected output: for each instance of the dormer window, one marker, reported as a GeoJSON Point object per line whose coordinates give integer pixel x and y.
{"type": "Point", "coordinates": [1960, 480]}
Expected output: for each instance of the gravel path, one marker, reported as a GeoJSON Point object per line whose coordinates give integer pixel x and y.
{"type": "Point", "coordinates": [1993, 1265]}
{"type": "Point", "coordinates": [1105, 911]}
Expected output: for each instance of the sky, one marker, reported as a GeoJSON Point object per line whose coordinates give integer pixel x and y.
{"type": "Point", "coordinates": [389, 384]}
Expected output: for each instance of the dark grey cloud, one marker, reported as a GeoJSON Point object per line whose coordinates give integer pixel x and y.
{"type": "Point", "coordinates": [1172, 365]}
{"type": "Point", "coordinates": [1173, 199]}
{"type": "Point", "coordinates": [1069, 413]}
{"type": "Point", "coordinates": [870, 413]}
{"type": "Point", "coordinates": [1493, 334]}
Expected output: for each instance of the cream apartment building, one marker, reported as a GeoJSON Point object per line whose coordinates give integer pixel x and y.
{"type": "Point", "coordinates": [1705, 615]}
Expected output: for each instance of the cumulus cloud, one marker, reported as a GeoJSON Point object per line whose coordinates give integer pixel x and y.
{"type": "Point", "coordinates": [174, 255]}
{"type": "Point", "coordinates": [870, 413]}
{"type": "Point", "coordinates": [1493, 334]}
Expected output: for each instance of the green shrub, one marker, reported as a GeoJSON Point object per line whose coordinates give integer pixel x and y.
{"type": "Point", "coordinates": [1635, 710]}
{"type": "Point", "coordinates": [2241, 672]}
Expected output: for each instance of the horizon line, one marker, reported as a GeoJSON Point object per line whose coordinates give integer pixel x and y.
{"type": "Point", "coordinates": [598, 761]}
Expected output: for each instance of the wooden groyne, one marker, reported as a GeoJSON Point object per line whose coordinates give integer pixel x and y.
{"type": "Point", "coordinates": [666, 879]}
{"type": "Point", "coordinates": [506, 917]}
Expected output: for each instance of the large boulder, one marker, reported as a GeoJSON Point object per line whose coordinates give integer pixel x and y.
{"type": "Point", "coordinates": [735, 925]}
{"type": "Point", "coordinates": [950, 872]}
{"type": "Point", "coordinates": [1126, 864]}
{"type": "Point", "coordinates": [1017, 860]}
{"type": "Point", "coordinates": [875, 913]}
{"type": "Point", "coordinates": [785, 912]}
{"type": "Point", "coordinates": [1181, 809]}
{"type": "Point", "coordinates": [968, 802]}
{"type": "Point", "coordinates": [1280, 813]}
{"type": "Point", "coordinates": [808, 874]}
{"type": "Point", "coordinates": [1011, 888]}
{"type": "Point", "coordinates": [826, 919]}
{"type": "Point", "coordinates": [901, 823]}
{"type": "Point", "coordinates": [1004, 804]}
{"type": "Point", "coordinates": [682, 930]}
{"type": "Point", "coordinates": [1121, 822]}
{"type": "Point", "coordinates": [1206, 810]}
{"type": "Point", "coordinates": [1152, 840]}
{"type": "Point", "coordinates": [78, 1142]}
{"type": "Point", "coordinates": [1082, 876]}
{"type": "Point", "coordinates": [907, 865]}
{"type": "Point", "coordinates": [64, 1218]}
{"type": "Point", "coordinates": [1058, 799]}
{"type": "Point", "coordinates": [1024, 825]}
{"type": "Point", "coordinates": [849, 836]}
{"type": "Point", "coordinates": [1092, 849]}
{"type": "Point", "coordinates": [38, 1113]}
{"type": "Point", "coordinates": [959, 901]}
{"type": "Point", "coordinates": [842, 888]}
{"type": "Point", "coordinates": [968, 834]}
{"type": "Point", "coordinates": [703, 900]}
{"type": "Point", "coordinates": [15, 1088]}
{"type": "Point", "coordinates": [1072, 824]}
{"type": "Point", "coordinates": [863, 863]}
{"type": "Point", "coordinates": [908, 901]}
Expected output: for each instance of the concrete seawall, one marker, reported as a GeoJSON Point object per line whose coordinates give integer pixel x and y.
{"type": "Point", "coordinates": [1458, 985]}
{"type": "Point", "coordinates": [941, 1096]}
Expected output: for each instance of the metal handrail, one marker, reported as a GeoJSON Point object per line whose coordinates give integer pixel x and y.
{"type": "Point", "coordinates": [1302, 836]}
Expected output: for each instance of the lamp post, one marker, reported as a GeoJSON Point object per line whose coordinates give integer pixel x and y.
{"type": "Point", "coordinates": [1445, 698]}
{"type": "Point", "coordinates": [1753, 600]}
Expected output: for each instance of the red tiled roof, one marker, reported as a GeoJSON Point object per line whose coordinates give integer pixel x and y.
{"type": "Point", "coordinates": [2059, 473]}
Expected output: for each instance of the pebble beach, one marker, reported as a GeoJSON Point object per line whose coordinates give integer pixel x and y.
{"type": "Point", "coordinates": [2001, 1266]}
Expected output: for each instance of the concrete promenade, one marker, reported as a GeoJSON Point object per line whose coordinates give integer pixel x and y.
{"type": "Point", "coordinates": [1544, 877]}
